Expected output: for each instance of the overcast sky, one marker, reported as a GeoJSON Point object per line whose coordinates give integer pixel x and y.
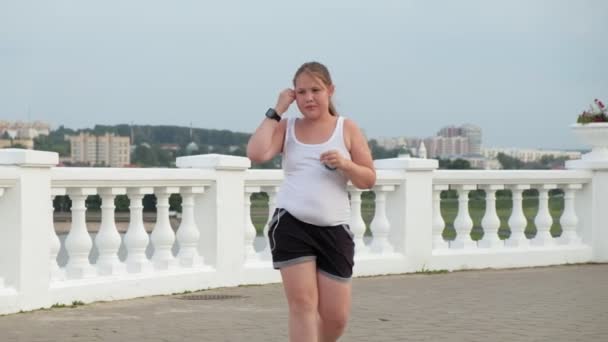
{"type": "Point", "coordinates": [520, 69]}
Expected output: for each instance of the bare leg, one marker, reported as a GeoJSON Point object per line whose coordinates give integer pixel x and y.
{"type": "Point", "coordinates": [334, 307]}
{"type": "Point", "coordinates": [300, 284]}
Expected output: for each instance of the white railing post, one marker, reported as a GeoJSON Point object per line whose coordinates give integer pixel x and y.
{"type": "Point", "coordinates": [24, 238]}
{"type": "Point", "coordinates": [108, 239]}
{"type": "Point", "coordinates": [357, 225]}
{"type": "Point", "coordinates": [55, 243]}
{"type": "Point", "coordinates": [78, 243]}
{"type": "Point", "coordinates": [517, 220]}
{"type": "Point", "coordinates": [272, 204]}
{"type": "Point", "coordinates": [569, 219]}
{"type": "Point", "coordinates": [438, 221]}
{"type": "Point", "coordinates": [162, 236]}
{"type": "Point", "coordinates": [219, 214]}
{"type": "Point", "coordinates": [410, 208]}
{"type": "Point", "coordinates": [136, 238]}
{"type": "Point", "coordinates": [490, 221]}
{"type": "Point", "coordinates": [543, 219]}
{"type": "Point", "coordinates": [380, 225]}
{"type": "Point", "coordinates": [591, 203]}
{"type": "Point", "coordinates": [463, 222]}
{"type": "Point", "coordinates": [188, 233]}
{"type": "Point", "coordinates": [250, 232]}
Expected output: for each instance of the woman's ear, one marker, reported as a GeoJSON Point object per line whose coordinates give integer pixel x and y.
{"type": "Point", "coordinates": [330, 90]}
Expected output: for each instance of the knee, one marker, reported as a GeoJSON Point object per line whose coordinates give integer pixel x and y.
{"type": "Point", "coordinates": [302, 303]}
{"type": "Point", "coordinates": [335, 323]}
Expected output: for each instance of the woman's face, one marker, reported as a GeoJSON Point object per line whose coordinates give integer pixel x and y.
{"type": "Point", "coordinates": [312, 96]}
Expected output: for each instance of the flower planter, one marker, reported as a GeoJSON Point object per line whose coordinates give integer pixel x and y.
{"type": "Point", "coordinates": [594, 134]}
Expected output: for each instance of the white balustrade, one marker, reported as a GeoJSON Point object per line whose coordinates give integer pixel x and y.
{"type": "Point", "coordinates": [490, 221]}
{"type": "Point", "coordinates": [380, 226]}
{"type": "Point", "coordinates": [463, 222]}
{"type": "Point", "coordinates": [162, 236]}
{"type": "Point", "coordinates": [78, 243]}
{"type": "Point", "coordinates": [517, 220]}
{"type": "Point", "coordinates": [188, 234]}
{"type": "Point", "coordinates": [54, 243]}
{"type": "Point", "coordinates": [250, 232]}
{"type": "Point", "coordinates": [357, 225]}
{"type": "Point", "coordinates": [407, 227]}
{"type": "Point", "coordinates": [543, 219]}
{"type": "Point", "coordinates": [569, 220]}
{"type": "Point", "coordinates": [438, 222]}
{"type": "Point", "coordinates": [107, 239]}
{"type": "Point", "coordinates": [136, 239]}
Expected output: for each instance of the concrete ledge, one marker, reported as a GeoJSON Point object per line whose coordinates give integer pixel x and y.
{"type": "Point", "coordinates": [408, 164]}
{"type": "Point", "coordinates": [214, 161]}
{"type": "Point", "coordinates": [28, 158]}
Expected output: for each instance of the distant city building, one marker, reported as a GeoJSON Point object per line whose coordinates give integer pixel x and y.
{"type": "Point", "coordinates": [473, 133]}
{"type": "Point", "coordinates": [27, 143]}
{"type": "Point", "coordinates": [108, 149]}
{"type": "Point", "coordinates": [450, 142]}
{"type": "Point", "coordinates": [24, 130]}
{"type": "Point", "coordinates": [528, 155]}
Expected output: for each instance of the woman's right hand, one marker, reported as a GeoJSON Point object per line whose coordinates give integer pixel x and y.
{"type": "Point", "coordinates": [286, 98]}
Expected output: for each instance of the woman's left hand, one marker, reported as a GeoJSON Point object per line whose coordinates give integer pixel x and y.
{"type": "Point", "coordinates": [334, 160]}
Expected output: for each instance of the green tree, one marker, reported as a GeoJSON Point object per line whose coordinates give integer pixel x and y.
{"type": "Point", "coordinates": [508, 162]}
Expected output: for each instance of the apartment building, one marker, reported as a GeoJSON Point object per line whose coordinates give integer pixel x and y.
{"type": "Point", "coordinates": [108, 149]}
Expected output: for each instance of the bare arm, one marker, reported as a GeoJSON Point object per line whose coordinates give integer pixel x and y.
{"type": "Point", "coordinates": [360, 169]}
{"type": "Point", "coordinates": [267, 141]}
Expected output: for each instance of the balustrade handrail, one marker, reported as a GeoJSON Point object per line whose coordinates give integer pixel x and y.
{"type": "Point", "coordinates": [263, 177]}
{"type": "Point", "coordinates": [8, 177]}
{"type": "Point", "coordinates": [506, 177]}
{"type": "Point", "coordinates": [125, 177]}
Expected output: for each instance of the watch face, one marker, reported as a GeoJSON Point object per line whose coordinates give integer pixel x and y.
{"type": "Point", "coordinates": [272, 114]}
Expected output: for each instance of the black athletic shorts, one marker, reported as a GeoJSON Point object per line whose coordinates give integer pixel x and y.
{"type": "Point", "coordinates": [293, 241]}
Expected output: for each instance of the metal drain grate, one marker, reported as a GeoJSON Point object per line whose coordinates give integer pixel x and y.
{"type": "Point", "coordinates": [210, 297]}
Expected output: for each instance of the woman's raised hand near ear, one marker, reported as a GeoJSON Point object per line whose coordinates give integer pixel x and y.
{"type": "Point", "coordinates": [286, 98]}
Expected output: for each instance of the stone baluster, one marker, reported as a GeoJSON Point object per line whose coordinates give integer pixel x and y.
{"type": "Point", "coordinates": [357, 225]}
{"type": "Point", "coordinates": [188, 234]}
{"type": "Point", "coordinates": [107, 240]}
{"type": "Point", "coordinates": [250, 231]}
{"type": "Point", "coordinates": [162, 236]}
{"type": "Point", "coordinates": [136, 239]}
{"type": "Point", "coordinates": [380, 225]}
{"type": "Point", "coordinates": [543, 219]}
{"type": "Point", "coordinates": [272, 204]}
{"type": "Point", "coordinates": [569, 220]}
{"type": "Point", "coordinates": [490, 221]}
{"type": "Point", "coordinates": [78, 243]}
{"type": "Point", "coordinates": [517, 220]}
{"type": "Point", "coordinates": [463, 222]}
{"type": "Point", "coordinates": [438, 222]}
{"type": "Point", "coordinates": [55, 243]}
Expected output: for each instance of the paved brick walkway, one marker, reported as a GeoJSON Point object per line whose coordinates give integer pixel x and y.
{"type": "Point", "coordinates": [565, 303]}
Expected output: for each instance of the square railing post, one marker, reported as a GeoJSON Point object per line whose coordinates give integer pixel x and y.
{"type": "Point", "coordinates": [24, 226]}
{"type": "Point", "coordinates": [220, 212]}
{"type": "Point", "coordinates": [410, 208]}
{"type": "Point", "coordinates": [591, 203]}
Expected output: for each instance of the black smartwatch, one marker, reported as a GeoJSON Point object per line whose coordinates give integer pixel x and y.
{"type": "Point", "coordinates": [272, 114]}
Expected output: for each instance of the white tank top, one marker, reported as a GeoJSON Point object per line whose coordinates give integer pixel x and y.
{"type": "Point", "coordinates": [310, 192]}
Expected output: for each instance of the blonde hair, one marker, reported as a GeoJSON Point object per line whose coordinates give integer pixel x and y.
{"type": "Point", "coordinates": [319, 71]}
